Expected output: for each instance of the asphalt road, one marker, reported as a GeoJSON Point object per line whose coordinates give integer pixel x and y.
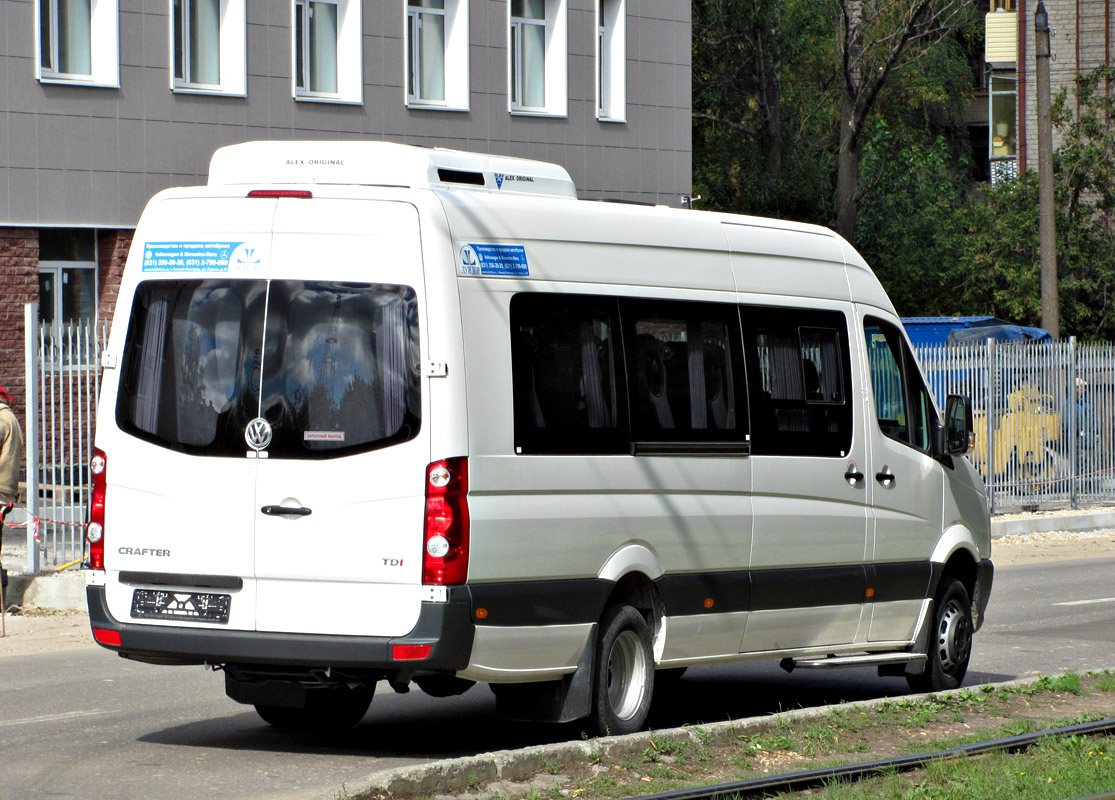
{"type": "Point", "coordinates": [83, 723]}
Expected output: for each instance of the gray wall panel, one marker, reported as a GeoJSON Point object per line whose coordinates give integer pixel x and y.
{"type": "Point", "coordinates": [23, 193]}
{"type": "Point", "coordinates": [91, 156]}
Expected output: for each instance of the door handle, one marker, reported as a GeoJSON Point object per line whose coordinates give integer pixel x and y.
{"type": "Point", "coordinates": [853, 476]}
{"type": "Point", "coordinates": [886, 477]}
{"type": "Point", "coordinates": [281, 511]}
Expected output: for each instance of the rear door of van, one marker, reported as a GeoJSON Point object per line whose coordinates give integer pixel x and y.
{"type": "Point", "coordinates": [271, 407]}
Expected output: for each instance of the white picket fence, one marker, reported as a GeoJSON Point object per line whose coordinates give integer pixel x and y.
{"type": "Point", "coordinates": [1044, 418]}
{"type": "Point", "coordinates": [63, 386]}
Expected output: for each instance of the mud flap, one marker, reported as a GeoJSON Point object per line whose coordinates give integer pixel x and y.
{"type": "Point", "coordinates": [551, 701]}
{"type": "Point", "coordinates": [920, 645]}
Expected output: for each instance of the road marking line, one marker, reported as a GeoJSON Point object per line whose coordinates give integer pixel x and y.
{"type": "Point", "coordinates": [52, 717]}
{"type": "Point", "coordinates": [1087, 602]}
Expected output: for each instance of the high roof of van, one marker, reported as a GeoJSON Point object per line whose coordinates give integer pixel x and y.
{"type": "Point", "coordinates": [481, 196]}
{"type": "Point", "coordinates": [371, 163]}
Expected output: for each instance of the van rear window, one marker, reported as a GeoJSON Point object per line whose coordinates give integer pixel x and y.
{"type": "Point", "coordinates": [332, 367]}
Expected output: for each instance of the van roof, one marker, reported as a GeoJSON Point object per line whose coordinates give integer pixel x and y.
{"type": "Point", "coordinates": [371, 163]}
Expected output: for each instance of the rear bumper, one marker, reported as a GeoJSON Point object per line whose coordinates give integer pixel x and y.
{"type": "Point", "coordinates": [446, 627]}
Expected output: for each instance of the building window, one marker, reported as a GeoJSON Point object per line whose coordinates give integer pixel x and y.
{"type": "Point", "coordinates": [1003, 144]}
{"type": "Point", "coordinates": [1002, 5]}
{"type": "Point", "coordinates": [437, 53]}
{"type": "Point", "coordinates": [327, 50]}
{"type": "Point", "coordinates": [78, 42]}
{"type": "Point", "coordinates": [67, 291]}
{"type": "Point", "coordinates": [611, 59]}
{"type": "Point", "coordinates": [208, 46]}
{"type": "Point", "coordinates": [537, 54]}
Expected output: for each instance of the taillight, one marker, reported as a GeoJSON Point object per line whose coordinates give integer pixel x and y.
{"type": "Point", "coordinates": [95, 530]}
{"type": "Point", "coordinates": [445, 544]}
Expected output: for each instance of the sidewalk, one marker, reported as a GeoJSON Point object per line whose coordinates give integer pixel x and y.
{"type": "Point", "coordinates": [65, 590]}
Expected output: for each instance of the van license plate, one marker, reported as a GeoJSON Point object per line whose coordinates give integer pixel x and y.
{"type": "Point", "coordinates": [185, 606]}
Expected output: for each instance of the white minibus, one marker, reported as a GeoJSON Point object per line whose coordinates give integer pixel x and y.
{"type": "Point", "coordinates": [375, 415]}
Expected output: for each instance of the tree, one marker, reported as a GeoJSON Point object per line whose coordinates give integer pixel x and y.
{"type": "Point", "coordinates": [880, 37]}
{"type": "Point", "coordinates": [763, 87]}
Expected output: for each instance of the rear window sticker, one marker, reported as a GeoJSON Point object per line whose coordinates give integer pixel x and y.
{"type": "Point", "coordinates": [323, 436]}
{"type": "Point", "coordinates": [189, 256]}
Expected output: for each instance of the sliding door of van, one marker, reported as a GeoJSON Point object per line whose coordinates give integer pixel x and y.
{"type": "Point", "coordinates": [340, 484]}
{"type": "Point", "coordinates": [810, 528]}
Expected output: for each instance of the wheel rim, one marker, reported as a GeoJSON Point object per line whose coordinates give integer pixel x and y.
{"type": "Point", "coordinates": [627, 675]}
{"type": "Point", "coordinates": [954, 637]}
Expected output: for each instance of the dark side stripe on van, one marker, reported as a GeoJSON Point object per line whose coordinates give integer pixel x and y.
{"type": "Point", "coordinates": [578, 601]}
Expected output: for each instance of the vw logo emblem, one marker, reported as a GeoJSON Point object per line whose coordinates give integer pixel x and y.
{"type": "Point", "coordinates": [258, 433]}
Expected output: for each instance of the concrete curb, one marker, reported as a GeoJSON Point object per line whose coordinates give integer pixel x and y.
{"type": "Point", "coordinates": [59, 591]}
{"type": "Point", "coordinates": [459, 774]}
{"type": "Point", "coordinates": [1068, 522]}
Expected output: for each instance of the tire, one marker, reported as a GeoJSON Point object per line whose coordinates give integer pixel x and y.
{"type": "Point", "coordinates": [325, 710]}
{"type": "Point", "coordinates": [950, 640]}
{"type": "Point", "coordinates": [623, 673]}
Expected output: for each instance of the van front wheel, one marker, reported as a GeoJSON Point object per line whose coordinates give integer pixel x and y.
{"type": "Point", "coordinates": [950, 640]}
{"type": "Point", "coordinates": [623, 679]}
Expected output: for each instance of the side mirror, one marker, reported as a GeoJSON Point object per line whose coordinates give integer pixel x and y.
{"type": "Point", "coordinates": [958, 425]}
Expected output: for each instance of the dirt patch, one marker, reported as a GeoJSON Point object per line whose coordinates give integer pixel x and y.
{"type": "Point", "coordinates": [31, 632]}
{"type": "Point", "coordinates": [1059, 545]}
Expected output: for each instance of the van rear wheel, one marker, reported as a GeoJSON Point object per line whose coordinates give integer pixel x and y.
{"type": "Point", "coordinates": [623, 679]}
{"type": "Point", "coordinates": [325, 709]}
{"type": "Point", "coordinates": [950, 640]}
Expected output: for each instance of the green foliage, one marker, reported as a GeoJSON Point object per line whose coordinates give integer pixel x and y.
{"type": "Point", "coordinates": [765, 95]}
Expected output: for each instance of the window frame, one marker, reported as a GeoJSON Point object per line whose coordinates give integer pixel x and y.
{"type": "Point", "coordinates": [231, 49]}
{"type": "Point", "coordinates": [917, 398]}
{"type": "Point", "coordinates": [349, 60]}
{"type": "Point", "coordinates": [626, 435]}
{"type": "Point", "coordinates": [682, 437]}
{"type": "Point", "coordinates": [767, 439]}
{"type": "Point", "coordinates": [104, 46]}
{"type": "Point", "coordinates": [611, 60]}
{"type": "Point", "coordinates": [455, 58]}
{"type": "Point", "coordinates": [56, 341]}
{"type": "Point", "coordinates": [555, 61]}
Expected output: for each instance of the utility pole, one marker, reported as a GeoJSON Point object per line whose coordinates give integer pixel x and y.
{"type": "Point", "coordinates": [1047, 229]}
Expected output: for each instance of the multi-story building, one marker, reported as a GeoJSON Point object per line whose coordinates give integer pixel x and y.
{"type": "Point", "coordinates": [1083, 38]}
{"type": "Point", "coordinates": [105, 102]}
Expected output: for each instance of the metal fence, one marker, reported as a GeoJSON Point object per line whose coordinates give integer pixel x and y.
{"type": "Point", "coordinates": [1044, 417]}
{"type": "Point", "coordinates": [63, 385]}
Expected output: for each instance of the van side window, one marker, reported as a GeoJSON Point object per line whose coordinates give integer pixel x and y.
{"type": "Point", "coordinates": [567, 371]}
{"type": "Point", "coordinates": [799, 373]}
{"type": "Point", "coordinates": [902, 403]}
{"type": "Point", "coordinates": [684, 365]}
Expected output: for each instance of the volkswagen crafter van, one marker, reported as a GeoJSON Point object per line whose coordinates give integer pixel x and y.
{"type": "Point", "coordinates": [375, 415]}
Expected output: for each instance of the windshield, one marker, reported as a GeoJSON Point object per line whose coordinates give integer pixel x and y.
{"type": "Point", "coordinates": [336, 366]}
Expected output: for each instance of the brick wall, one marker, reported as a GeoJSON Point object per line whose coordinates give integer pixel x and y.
{"type": "Point", "coordinates": [19, 284]}
{"type": "Point", "coordinates": [1079, 44]}
{"type": "Point", "coordinates": [112, 252]}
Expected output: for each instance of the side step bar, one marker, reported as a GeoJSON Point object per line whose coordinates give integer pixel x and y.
{"type": "Point", "coordinates": [862, 660]}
